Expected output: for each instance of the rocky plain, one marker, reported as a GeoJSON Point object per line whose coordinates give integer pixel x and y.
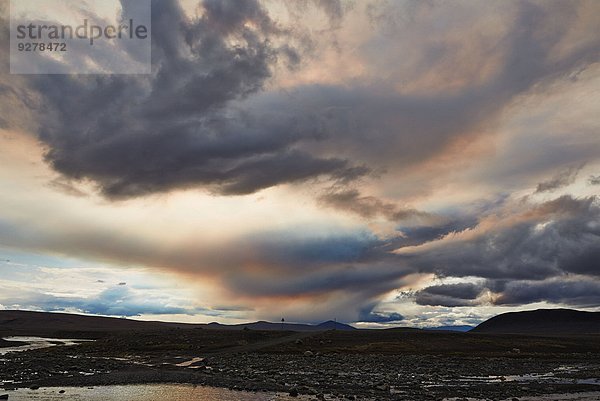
{"type": "Point", "coordinates": [398, 364]}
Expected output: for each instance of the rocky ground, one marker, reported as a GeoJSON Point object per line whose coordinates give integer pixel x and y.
{"type": "Point", "coordinates": [321, 365]}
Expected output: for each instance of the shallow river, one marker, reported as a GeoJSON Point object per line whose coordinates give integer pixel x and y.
{"type": "Point", "coordinates": [36, 343]}
{"type": "Point", "coordinates": [170, 392]}
{"type": "Point", "coordinates": [174, 392]}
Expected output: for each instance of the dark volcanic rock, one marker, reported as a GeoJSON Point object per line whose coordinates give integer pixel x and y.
{"type": "Point", "coordinates": [367, 365]}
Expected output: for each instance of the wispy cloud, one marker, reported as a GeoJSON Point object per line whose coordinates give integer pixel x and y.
{"type": "Point", "coordinates": [562, 179]}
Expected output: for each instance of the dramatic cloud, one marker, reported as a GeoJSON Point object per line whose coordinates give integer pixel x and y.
{"type": "Point", "coordinates": [316, 158]}
{"type": "Point", "coordinates": [574, 292]}
{"type": "Point", "coordinates": [136, 135]}
{"type": "Point", "coordinates": [462, 294]}
{"type": "Point", "coordinates": [197, 120]}
{"type": "Point", "coordinates": [526, 257]}
{"type": "Point", "coordinates": [547, 240]}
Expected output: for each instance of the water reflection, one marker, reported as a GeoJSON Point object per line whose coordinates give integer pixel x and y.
{"type": "Point", "coordinates": [36, 343]}
{"type": "Point", "coordinates": [171, 392]}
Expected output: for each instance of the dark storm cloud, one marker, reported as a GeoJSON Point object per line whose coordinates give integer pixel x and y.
{"type": "Point", "coordinates": [562, 179]}
{"type": "Point", "coordinates": [575, 292]}
{"type": "Point", "coordinates": [425, 298]}
{"type": "Point", "coordinates": [198, 120]}
{"type": "Point", "coordinates": [137, 135]}
{"type": "Point", "coordinates": [548, 252]}
{"type": "Point", "coordinates": [461, 290]}
{"type": "Point", "coordinates": [555, 237]}
{"type": "Point", "coordinates": [461, 294]}
{"type": "Point", "coordinates": [286, 167]}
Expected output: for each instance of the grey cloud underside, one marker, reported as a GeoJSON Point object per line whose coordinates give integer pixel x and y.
{"type": "Point", "coordinates": [577, 292]}
{"type": "Point", "coordinates": [204, 119]}
{"type": "Point", "coordinates": [565, 239]}
{"type": "Point", "coordinates": [554, 257]}
{"type": "Point", "coordinates": [136, 135]}
{"type": "Point", "coordinates": [462, 294]}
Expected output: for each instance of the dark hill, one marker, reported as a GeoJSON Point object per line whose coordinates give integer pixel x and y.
{"type": "Point", "coordinates": [543, 322]}
{"type": "Point", "coordinates": [330, 325]}
{"type": "Point", "coordinates": [48, 324]}
{"type": "Point", "coordinates": [45, 323]}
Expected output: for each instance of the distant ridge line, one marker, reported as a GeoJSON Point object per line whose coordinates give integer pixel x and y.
{"type": "Point", "coordinates": [32, 322]}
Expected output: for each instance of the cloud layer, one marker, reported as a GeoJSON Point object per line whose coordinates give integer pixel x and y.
{"type": "Point", "coordinates": [445, 152]}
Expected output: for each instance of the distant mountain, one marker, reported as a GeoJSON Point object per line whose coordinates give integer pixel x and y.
{"type": "Point", "coordinates": [61, 324]}
{"type": "Point", "coordinates": [332, 325]}
{"type": "Point", "coordinates": [462, 329]}
{"type": "Point", "coordinates": [262, 325]}
{"type": "Point", "coordinates": [542, 322]}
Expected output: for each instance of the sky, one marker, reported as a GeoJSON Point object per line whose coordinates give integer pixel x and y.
{"type": "Point", "coordinates": [380, 162]}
